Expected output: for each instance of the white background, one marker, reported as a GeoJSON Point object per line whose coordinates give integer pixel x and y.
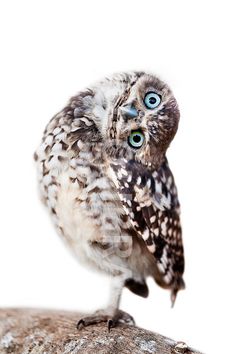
{"type": "Point", "coordinates": [52, 49]}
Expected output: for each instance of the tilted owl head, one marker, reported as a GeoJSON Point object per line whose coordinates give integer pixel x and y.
{"type": "Point", "coordinates": [135, 116]}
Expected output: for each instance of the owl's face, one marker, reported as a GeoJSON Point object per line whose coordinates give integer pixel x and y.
{"type": "Point", "coordinates": [142, 120]}
{"type": "Point", "coordinates": [130, 115]}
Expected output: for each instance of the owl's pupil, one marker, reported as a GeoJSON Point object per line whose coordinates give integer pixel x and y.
{"type": "Point", "coordinates": [152, 100]}
{"type": "Point", "coordinates": [137, 138]}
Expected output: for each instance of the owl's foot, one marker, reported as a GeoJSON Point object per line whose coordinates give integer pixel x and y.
{"type": "Point", "coordinates": [102, 316]}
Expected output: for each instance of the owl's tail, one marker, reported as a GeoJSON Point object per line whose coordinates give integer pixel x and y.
{"type": "Point", "coordinates": [179, 284]}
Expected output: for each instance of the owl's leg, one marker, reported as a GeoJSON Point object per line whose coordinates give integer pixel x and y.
{"type": "Point", "coordinates": [111, 315]}
{"type": "Point", "coordinates": [118, 316]}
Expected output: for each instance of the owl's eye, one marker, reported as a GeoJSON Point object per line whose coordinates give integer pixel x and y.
{"type": "Point", "coordinates": [136, 139]}
{"type": "Point", "coordinates": [152, 100]}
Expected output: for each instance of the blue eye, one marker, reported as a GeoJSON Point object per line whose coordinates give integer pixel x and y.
{"type": "Point", "coordinates": [152, 100]}
{"type": "Point", "coordinates": [136, 139]}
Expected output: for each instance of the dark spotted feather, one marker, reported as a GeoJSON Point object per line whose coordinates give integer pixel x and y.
{"type": "Point", "coordinates": [150, 199]}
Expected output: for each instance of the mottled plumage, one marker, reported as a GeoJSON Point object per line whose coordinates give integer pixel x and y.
{"type": "Point", "coordinates": [104, 176]}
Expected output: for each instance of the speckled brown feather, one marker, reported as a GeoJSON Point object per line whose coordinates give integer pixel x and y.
{"type": "Point", "coordinates": [155, 216]}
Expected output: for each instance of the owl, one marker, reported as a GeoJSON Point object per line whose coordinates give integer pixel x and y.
{"type": "Point", "coordinates": [104, 176]}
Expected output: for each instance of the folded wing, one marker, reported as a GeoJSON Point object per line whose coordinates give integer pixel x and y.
{"type": "Point", "coordinates": [150, 199]}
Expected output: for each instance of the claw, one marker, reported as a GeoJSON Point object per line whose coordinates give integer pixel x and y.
{"type": "Point", "coordinates": [80, 324]}
{"type": "Point", "coordinates": [100, 316]}
{"type": "Point", "coordinates": [110, 324]}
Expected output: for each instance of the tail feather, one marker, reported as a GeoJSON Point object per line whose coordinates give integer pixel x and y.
{"type": "Point", "coordinates": [178, 285]}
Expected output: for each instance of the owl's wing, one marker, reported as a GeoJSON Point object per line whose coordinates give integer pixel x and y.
{"type": "Point", "coordinates": [150, 199]}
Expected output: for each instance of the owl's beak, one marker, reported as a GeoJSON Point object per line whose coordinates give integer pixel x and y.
{"type": "Point", "coordinates": [129, 111]}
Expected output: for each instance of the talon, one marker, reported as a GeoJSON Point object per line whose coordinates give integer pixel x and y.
{"type": "Point", "coordinates": [80, 324]}
{"type": "Point", "coordinates": [102, 316]}
{"type": "Point", "coordinates": [110, 324]}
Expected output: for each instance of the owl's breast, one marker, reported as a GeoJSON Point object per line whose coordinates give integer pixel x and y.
{"type": "Point", "coordinates": [88, 210]}
{"type": "Point", "coordinates": [91, 215]}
